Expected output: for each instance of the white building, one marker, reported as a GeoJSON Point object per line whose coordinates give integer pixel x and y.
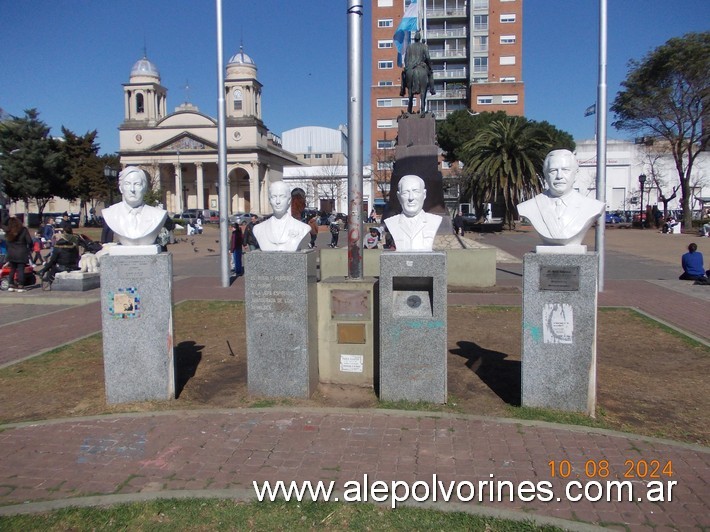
{"type": "Point", "coordinates": [324, 177]}
{"type": "Point", "coordinates": [625, 162]}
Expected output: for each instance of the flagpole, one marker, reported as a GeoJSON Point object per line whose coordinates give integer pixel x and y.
{"type": "Point", "coordinates": [601, 139]}
{"type": "Point", "coordinates": [222, 155]}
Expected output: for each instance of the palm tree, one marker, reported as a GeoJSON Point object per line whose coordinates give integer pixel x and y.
{"type": "Point", "coordinates": [506, 158]}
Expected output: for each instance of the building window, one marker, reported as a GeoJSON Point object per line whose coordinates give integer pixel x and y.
{"type": "Point", "coordinates": [507, 39]}
{"type": "Point", "coordinates": [237, 100]}
{"type": "Point", "coordinates": [507, 60]}
{"type": "Point", "coordinates": [385, 165]}
{"type": "Point", "coordinates": [385, 144]}
{"type": "Point", "coordinates": [508, 79]}
{"type": "Point", "coordinates": [480, 4]}
{"type": "Point", "coordinates": [318, 155]}
{"type": "Point", "coordinates": [480, 64]}
{"type": "Point", "coordinates": [384, 102]}
{"type": "Point", "coordinates": [384, 23]}
{"type": "Point", "coordinates": [384, 44]}
{"type": "Point", "coordinates": [385, 65]}
{"type": "Point", "coordinates": [386, 124]}
{"type": "Point", "coordinates": [384, 3]}
{"type": "Point", "coordinates": [480, 43]}
{"type": "Point", "coordinates": [383, 83]}
{"type": "Point", "coordinates": [328, 155]}
{"type": "Point", "coordinates": [140, 107]}
{"type": "Point", "coordinates": [404, 102]}
{"type": "Point", "coordinates": [306, 155]}
{"type": "Point", "coordinates": [507, 18]}
{"type": "Point", "coordinates": [510, 99]}
{"type": "Point", "coordinates": [484, 100]}
{"type": "Point", "coordinates": [480, 22]}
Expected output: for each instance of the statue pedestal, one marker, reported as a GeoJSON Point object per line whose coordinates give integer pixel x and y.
{"type": "Point", "coordinates": [282, 321]}
{"type": "Point", "coordinates": [137, 320]}
{"type": "Point", "coordinates": [559, 331]}
{"type": "Point", "coordinates": [413, 341]}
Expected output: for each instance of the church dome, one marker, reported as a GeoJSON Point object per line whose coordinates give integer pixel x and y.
{"type": "Point", "coordinates": [145, 68]}
{"type": "Point", "coordinates": [240, 58]}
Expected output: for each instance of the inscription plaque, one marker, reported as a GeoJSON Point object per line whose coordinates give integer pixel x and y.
{"type": "Point", "coordinates": [138, 268]}
{"type": "Point", "coordinates": [559, 278]}
{"type": "Point", "coordinates": [349, 304]}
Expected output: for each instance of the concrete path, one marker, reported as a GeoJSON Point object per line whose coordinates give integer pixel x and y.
{"type": "Point", "coordinates": [219, 453]}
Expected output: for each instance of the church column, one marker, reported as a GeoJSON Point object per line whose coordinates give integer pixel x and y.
{"type": "Point", "coordinates": [178, 188]}
{"type": "Point", "coordinates": [254, 203]}
{"type": "Point", "coordinates": [200, 187]}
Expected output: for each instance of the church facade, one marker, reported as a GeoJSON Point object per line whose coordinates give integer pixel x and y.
{"type": "Point", "coordinates": [179, 150]}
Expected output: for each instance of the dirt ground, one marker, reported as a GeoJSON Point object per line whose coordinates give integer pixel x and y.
{"type": "Point", "coordinates": [650, 381]}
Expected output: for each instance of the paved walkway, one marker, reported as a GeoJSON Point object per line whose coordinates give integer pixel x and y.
{"type": "Point", "coordinates": [111, 458]}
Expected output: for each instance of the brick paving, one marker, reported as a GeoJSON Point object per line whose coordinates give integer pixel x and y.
{"type": "Point", "coordinates": [73, 461]}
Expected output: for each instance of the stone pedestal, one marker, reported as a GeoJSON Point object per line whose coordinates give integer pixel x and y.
{"type": "Point", "coordinates": [347, 312]}
{"type": "Point", "coordinates": [76, 281]}
{"type": "Point", "coordinates": [559, 331]}
{"type": "Point", "coordinates": [137, 319]}
{"type": "Point", "coordinates": [413, 341]}
{"type": "Point", "coordinates": [281, 321]}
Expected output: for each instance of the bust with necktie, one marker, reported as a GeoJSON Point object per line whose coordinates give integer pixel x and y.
{"type": "Point", "coordinates": [132, 221]}
{"type": "Point", "coordinates": [414, 229]}
{"type": "Point", "coordinates": [561, 215]}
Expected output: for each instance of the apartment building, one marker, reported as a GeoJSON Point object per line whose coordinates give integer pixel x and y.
{"type": "Point", "coordinates": [476, 54]}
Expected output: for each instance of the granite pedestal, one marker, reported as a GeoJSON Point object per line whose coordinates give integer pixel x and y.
{"type": "Point", "coordinates": [559, 331]}
{"type": "Point", "coordinates": [281, 321]}
{"type": "Point", "coordinates": [413, 341]}
{"type": "Point", "coordinates": [76, 281]}
{"type": "Point", "coordinates": [137, 319]}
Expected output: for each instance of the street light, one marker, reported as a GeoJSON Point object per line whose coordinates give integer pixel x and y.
{"type": "Point", "coordinates": [110, 174]}
{"type": "Point", "coordinates": [642, 180]}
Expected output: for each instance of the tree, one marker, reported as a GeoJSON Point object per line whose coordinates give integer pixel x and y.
{"type": "Point", "coordinates": [460, 127]}
{"type": "Point", "coordinates": [31, 161]}
{"type": "Point", "coordinates": [506, 157]}
{"type": "Point", "coordinates": [666, 96]}
{"type": "Point", "coordinates": [84, 169]}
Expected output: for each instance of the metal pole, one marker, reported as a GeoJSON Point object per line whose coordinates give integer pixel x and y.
{"type": "Point", "coordinates": [222, 156]}
{"type": "Point", "coordinates": [355, 12]}
{"type": "Point", "coordinates": [601, 139]}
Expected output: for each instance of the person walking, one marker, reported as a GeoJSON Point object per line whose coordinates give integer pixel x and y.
{"type": "Point", "coordinates": [458, 224]}
{"type": "Point", "coordinates": [19, 247]}
{"type": "Point", "coordinates": [249, 238]}
{"type": "Point", "coordinates": [334, 233]}
{"type": "Point", "coordinates": [314, 231]}
{"type": "Point", "coordinates": [235, 246]}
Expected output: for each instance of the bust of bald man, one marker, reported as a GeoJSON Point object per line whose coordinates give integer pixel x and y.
{"type": "Point", "coordinates": [414, 229]}
{"type": "Point", "coordinates": [281, 232]}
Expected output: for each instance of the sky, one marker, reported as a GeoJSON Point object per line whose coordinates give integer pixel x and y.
{"type": "Point", "coordinates": [69, 58]}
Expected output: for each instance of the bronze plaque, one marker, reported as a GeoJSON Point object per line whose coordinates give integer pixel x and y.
{"type": "Point", "coordinates": [351, 333]}
{"type": "Point", "coordinates": [559, 278]}
{"type": "Point", "coordinates": [349, 304]}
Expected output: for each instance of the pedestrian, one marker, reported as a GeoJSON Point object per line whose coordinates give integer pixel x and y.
{"type": "Point", "coordinates": [19, 247]}
{"type": "Point", "coordinates": [235, 246]}
{"type": "Point", "coordinates": [65, 222]}
{"type": "Point", "coordinates": [48, 231]}
{"type": "Point", "coordinates": [372, 240]}
{"type": "Point", "coordinates": [458, 223]}
{"type": "Point", "coordinates": [692, 263]}
{"type": "Point", "coordinates": [314, 231]}
{"type": "Point", "coordinates": [334, 233]}
{"type": "Point", "coordinates": [64, 258]}
{"type": "Point", "coordinates": [36, 249]}
{"type": "Point", "coordinates": [249, 238]}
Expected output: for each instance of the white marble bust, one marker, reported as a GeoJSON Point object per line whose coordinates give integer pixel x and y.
{"type": "Point", "coordinates": [414, 229]}
{"type": "Point", "coordinates": [132, 221]}
{"type": "Point", "coordinates": [561, 215]}
{"type": "Point", "coordinates": [281, 232]}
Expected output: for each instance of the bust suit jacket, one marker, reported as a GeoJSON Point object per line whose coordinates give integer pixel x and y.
{"type": "Point", "coordinates": [283, 234]}
{"type": "Point", "coordinates": [413, 234]}
{"type": "Point", "coordinates": [150, 221]}
{"type": "Point", "coordinates": [579, 214]}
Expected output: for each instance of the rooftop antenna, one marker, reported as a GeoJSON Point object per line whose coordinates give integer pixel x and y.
{"type": "Point", "coordinates": [187, 91]}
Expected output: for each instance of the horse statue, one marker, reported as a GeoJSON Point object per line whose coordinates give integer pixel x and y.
{"type": "Point", "coordinates": [417, 77]}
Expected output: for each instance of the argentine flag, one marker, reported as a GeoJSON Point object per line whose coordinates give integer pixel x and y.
{"type": "Point", "coordinates": [409, 23]}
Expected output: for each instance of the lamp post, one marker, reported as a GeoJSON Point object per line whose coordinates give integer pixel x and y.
{"type": "Point", "coordinates": [642, 180]}
{"type": "Point", "coordinates": [110, 174]}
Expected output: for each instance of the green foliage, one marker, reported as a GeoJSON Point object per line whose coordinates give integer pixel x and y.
{"type": "Point", "coordinates": [83, 168]}
{"type": "Point", "coordinates": [31, 160]}
{"type": "Point", "coordinates": [666, 96]}
{"type": "Point", "coordinates": [460, 127]}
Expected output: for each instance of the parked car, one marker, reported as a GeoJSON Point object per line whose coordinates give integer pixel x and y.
{"type": "Point", "coordinates": [241, 217]}
{"type": "Point", "coordinates": [210, 216]}
{"type": "Point", "coordinates": [612, 218]}
{"type": "Point", "coordinates": [189, 215]}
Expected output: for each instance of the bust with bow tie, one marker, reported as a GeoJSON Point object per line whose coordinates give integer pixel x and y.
{"type": "Point", "coordinates": [561, 215]}
{"type": "Point", "coordinates": [414, 229]}
{"type": "Point", "coordinates": [133, 222]}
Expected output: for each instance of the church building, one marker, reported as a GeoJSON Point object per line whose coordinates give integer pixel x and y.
{"type": "Point", "coordinates": [178, 151]}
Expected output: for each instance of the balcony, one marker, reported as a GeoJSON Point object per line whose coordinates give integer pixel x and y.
{"type": "Point", "coordinates": [453, 73]}
{"type": "Point", "coordinates": [441, 115]}
{"type": "Point", "coordinates": [441, 33]}
{"type": "Point", "coordinates": [459, 12]}
{"type": "Point", "coordinates": [449, 94]}
{"type": "Point", "coordinates": [448, 54]}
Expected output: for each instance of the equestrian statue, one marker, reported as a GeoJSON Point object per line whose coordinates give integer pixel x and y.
{"type": "Point", "coordinates": [417, 76]}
